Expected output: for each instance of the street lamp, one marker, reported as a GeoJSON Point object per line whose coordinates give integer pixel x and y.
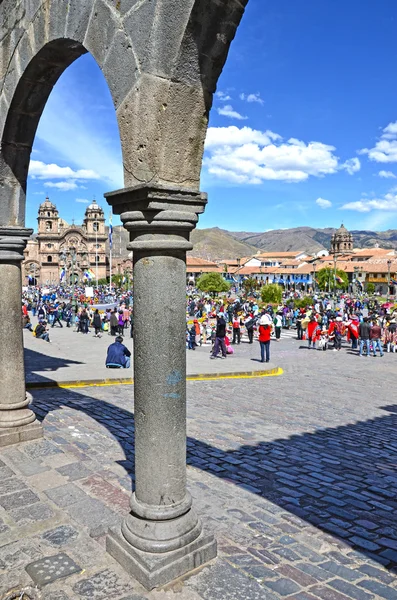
{"type": "Point", "coordinates": [314, 270]}
{"type": "Point", "coordinates": [388, 278]}
{"type": "Point", "coordinates": [356, 284]}
{"type": "Point", "coordinates": [335, 259]}
{"type": "Point", "coordinates": [72, 251]}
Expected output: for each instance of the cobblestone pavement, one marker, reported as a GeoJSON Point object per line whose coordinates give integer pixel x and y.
{"type": "Point", "coordinates": [296, 475]}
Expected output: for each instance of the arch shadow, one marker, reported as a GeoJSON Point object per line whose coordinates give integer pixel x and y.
{"type": "Point", "coordinates": [342, 480]}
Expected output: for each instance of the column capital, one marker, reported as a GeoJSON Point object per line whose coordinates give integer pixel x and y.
{"type": "Point", "coordinates": [13, 242]}
{"type": "Point", "coordinates": [158, 217]}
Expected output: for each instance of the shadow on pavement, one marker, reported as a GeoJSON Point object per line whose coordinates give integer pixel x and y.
{"type": "Point", "coordinates": [36, 361]}
{"type": "Point", "coordinates": [343, 480]}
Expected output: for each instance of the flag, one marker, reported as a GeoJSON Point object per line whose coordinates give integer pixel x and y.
{"type": "Point", "coordinates": [124, 279]}
{"type": "Point", "coordinates": [62, 274]}
{"type": "Point", "coordinates": [393, 281]}
{"type": "Point", "coordinates": [110, 232]}
{"type": "Point", "coordinates": [339, 279]}
{"type": "Point", "coordinates": [89, 274]}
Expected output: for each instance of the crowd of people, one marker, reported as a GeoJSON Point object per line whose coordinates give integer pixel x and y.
{"type": "Point", "coordinates": [364, 323]}
{"type": "Point", "coordinates": [223, 323]}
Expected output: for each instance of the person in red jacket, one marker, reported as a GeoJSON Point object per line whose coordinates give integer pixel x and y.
{"type": "Point", "coordinates": [313, 331]}
{"type": "Point", "coordinates": [265, 330]}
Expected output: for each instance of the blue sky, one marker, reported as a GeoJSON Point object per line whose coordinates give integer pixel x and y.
{"type": "Point", "coordinates": [303, 130]}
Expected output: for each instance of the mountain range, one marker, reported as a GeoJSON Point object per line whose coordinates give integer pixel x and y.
{"type": "Point", "coordinates": [216, 244]}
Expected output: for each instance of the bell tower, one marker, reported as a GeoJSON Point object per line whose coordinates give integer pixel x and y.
{"type": "Point", "coordinates": [48, 219]}
{"type": "Point", "coordinates": [94, 221]}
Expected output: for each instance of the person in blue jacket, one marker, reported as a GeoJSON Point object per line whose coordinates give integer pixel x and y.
{"type": "Point", "coordinates": [118, 356]}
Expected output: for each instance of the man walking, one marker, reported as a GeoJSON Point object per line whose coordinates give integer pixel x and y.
{"type": "Point", "coordinates": [364, 332]}
{"type": "Point", "coordinates": [220, 337]}
{"type": "Point", "coordinates": [376, 336]}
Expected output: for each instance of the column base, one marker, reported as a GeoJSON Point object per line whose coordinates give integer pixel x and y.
{"type": "Point", "coordinates": [23, 433]}
{"type": "Point", "coordinates": [154, 570]}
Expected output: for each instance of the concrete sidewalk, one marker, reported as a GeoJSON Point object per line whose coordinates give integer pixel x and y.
{"type": "Point", "coordinates": [73, 358]}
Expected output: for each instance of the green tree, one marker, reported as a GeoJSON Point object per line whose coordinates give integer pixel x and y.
{"type": "Point", "coordinates": [303, 302]}
{"type": "Point", "coordinates": [370, 288]}
{"type": "Point", "coordinates": [250, 285]}
{"type": "Point", "coordinates": [271, 293]}
{"type": "Point", "coordinates": [213, 283]}
{"type": "Point", "coordinates": [325, 279]}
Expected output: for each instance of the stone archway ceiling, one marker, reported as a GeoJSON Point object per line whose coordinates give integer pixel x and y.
{"type": "Point", "coordinates": [160, 58]}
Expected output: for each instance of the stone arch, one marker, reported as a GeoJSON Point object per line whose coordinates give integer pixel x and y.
{"type": "Point", "coordinates": [160, 58]}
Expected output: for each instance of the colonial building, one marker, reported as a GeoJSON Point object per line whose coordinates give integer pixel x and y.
{"type": "Point", "coordinates": [63, 253]}
{"type": "Point", "coordinates": [341, 241]}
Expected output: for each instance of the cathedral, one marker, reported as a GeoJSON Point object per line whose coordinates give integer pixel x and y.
{"type": "Point", "coordinates": [61, 253]}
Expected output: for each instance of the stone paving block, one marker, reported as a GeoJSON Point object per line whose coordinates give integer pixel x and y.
{"type": "Point", "coordinates": [379, 589]}
{"type": "Point", "coordinates": [49, 569]}
{"type": "Point", "coordinates": [13, 484]}
{"type": "Point", "coordinates": [16, 554]}
{"type": "Point", "coordinates": [6, 472]}
{"type": "Point", "coordinates": [107, 492]}
{"type": "Point", "coordinates": [283, 586]}
{"type": "Point", "coordinates": [363, 543]}
{"type": "Point", "coordinates": [21, 463]}
{"type": "Point", "coordinates": [32, 514]}
{"type": "Point", "coordinates": [313, 571]}
{"type": "Point", "coordinates": [301, 578]}
{"type": "Point", "coordinates": [326, 593]}
{"type": "Point", "coordinates": [340, 570]}
{"type": "Point", "coordinates": [41, 448]}
{"type": "Point", "coordinates": [101, 586]}
{"type": "Point", "coordinates": [18, 499]}
{"type": "Point", "coordinates": [65, 495]}
{"type": "Point", "coordinates": [224, 581]}
{"type": "Point", "coordinates": [376, 573]}
{"type": "Point", "coordinates": [47, 480]}
{"type": "Point", "coordinates": [74, 471]}
{"type": "Point", "coordinates": [60, 536]}
{"type": "Point", "coordinates": [94, 515]}
{"type": "Point", "coordinates": [57, 596]}
{"type": "Point", "coordinates": [350, 590]}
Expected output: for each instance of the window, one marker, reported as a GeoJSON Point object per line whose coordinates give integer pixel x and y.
{"type": "Point", "coordinates": [48, 226]}
{"type": "Point", "coordinates": [48, 214]}
{"type": "Point", "coordinates": [49, 245]}
{"type": "Point", "coordinates": [49, 258]}
{"type": "Point", "coordinates": [96, 226]}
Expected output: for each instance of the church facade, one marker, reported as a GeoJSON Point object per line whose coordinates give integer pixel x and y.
{"type": "Point", "coordinates": [61, 253]}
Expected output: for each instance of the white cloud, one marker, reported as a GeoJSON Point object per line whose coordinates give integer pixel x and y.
{"type": "Point", "coordinates": [228, 111]}
{"type": "Point", "coordinates": [251, 156]}
{"type": "Point", "coordinates": [82, 200]}
{"type": "Point", "coordinates": [63, 186]}
{"type": "Point", "coordinates": [387, 175]}
{"type": "Point", "coordinates": [235, 136]}
{"type": "Point", "coordinates": [388, 202]}
{"type": "Point", "coordinates": [252, 98]}
{"type": "Point", "coordinates": [223, 96]}
{"type": "Point", "coordinates": [385, 149]}
{"type": "Point", "coordinates": [351, 166]}
{"type": "Point", "coordinates": [40, 170]}
{"type": "Point", "coordinates": [322, 203]}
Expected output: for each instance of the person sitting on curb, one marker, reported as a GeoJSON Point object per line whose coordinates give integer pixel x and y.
{"type": "Point", "coordinates": [41, 331]}
{"type": "Point", "coordinates": [118, 355]}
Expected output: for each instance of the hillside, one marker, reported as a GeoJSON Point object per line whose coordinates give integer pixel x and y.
{"type": "Point", "coordinates": [217, 244]}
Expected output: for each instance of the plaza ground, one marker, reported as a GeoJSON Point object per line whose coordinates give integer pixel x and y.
{"type": "Point", "coordinates": [78, 357]}
{"type": "Point", "coordinates": [296, 475]}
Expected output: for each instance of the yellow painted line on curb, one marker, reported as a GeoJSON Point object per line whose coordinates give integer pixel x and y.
{"type": "Point", "coordinates": [111, 382]}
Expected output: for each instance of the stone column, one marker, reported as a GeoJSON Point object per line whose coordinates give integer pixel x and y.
{"type": "Point", "coordinates": [17, 422]}
{"type": "Point", "coordinates": [162, 537]}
